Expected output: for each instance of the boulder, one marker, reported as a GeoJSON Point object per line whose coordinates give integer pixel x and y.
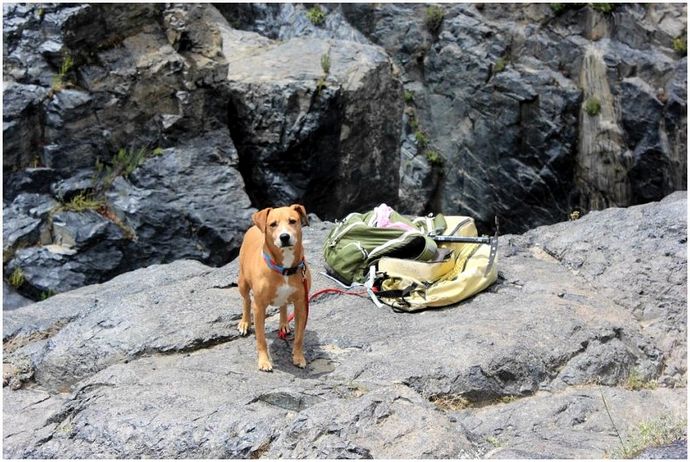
{"type": "Point", "coordinates": [325, 139]}
{"type": "Point", "coordinates": [188, 202]}
{"type": "Point", "coordinates": [545, 363]}
{"type": "Point", "coordinates": [30, 180]}
{"type": "Point", "coordinates": [24, 222]}
{"type": "Point", "coordinates": [22, 120]}
{"type": "Point", "coordinates": [139, 82]}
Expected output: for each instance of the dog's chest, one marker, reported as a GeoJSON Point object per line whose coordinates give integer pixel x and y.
{"type": "Point", "coordinates": [283, 293]}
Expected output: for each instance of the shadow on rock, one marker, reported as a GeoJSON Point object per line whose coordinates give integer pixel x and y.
{"type": "Point", "coordinates": [319, 362]}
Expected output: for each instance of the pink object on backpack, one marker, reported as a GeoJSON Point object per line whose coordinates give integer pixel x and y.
{"type": "Point", "coordinates": [382, 215]}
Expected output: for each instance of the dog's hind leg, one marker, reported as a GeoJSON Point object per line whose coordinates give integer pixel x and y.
{"type": "Point", "coordinates": [246, 320]}
{"type": "Point", "coordinates": [284, 323]}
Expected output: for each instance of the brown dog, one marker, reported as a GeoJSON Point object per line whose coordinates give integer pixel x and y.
{"type": "Point", "coordinates": [272, 267]}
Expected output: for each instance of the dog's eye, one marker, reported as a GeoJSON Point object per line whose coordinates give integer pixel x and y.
{"type": "Point", "coordinates": [274, 224]}
{"type": "Point", "coordinates": [292, 221]}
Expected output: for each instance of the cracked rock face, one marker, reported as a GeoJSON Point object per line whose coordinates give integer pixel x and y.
{"type": "Point", "coordinates": [179, 81]}
{"type": "Point", "coordinates": [150, 363]}
{"type": "Point", "coordinates": [138, 82]}
{"type": "Point", "coordinates": [500, 93]}
{"type": "Point", "coordinates": [486, 115]}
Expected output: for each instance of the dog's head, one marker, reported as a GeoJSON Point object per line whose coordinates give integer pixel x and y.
{"type": "Point", "coordinates": [282, 226]}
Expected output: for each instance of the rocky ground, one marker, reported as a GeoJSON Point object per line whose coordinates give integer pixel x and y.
{"type": "Point", "coordinates": [582, 337]}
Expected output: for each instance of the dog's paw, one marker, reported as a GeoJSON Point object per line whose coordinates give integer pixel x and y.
{"type": "Point", "coordinates": [284, 330]}
{"type": "Point", "coordinates": [243, 328]}
{"type": "Point", "coordinates": [299, 361]}
{"type": "Point", "coordinates": [265, 365]}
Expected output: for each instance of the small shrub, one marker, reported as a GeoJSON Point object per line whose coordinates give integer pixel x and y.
{"type": "Point", "coordinates": [449, 402]}
{"type": "Point", "coordinates": [433, 157]}
{"type": "Point", "coordinates": [574, 215]}
{"type": "Point", "coordinates": [493, 441]}
{"type": "Point", "coordinates": [83, 202]}
{"type": "Point", "coordinates": [500, 65]}
{"type": "Point", "coordinates": [434, 18]}
{"type": "Point", "coordinates": [680, 45]}
{"type": "Point", "coordinates": [326, 63]}
{"type": "Point", "coordinates": [592, 106]}
{"type": "Point", "coordinates": [603, 7]}
{"type": "Point", "coordinates": [125, 161]}
{"type": "Point", "coordinates": [557, 8]}
{"type": "Point", "coordinates": [652, 433]}
{"type": "Point", "coordinates": [421, 138]}
{"type": "Point", "coordinates": [59, 79]}
{"type": "Point", "coordinates": [316, 15]}
{"type": "Point", "coordinates": [46, 294]}
{"type": "Point", "coordinates": [408, 96]}
{"type": "Point", "coordinates": [17, 278]}
{"type": "Point", "coordinates": [636, 382]}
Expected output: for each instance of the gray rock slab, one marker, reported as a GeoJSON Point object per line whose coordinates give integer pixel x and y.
{"type": "Point", "coordinates": [570, 424]}
{"type": "Point", "coordinates": [641, 267]}
{"type": "Point", "coordinates": [150, 364]}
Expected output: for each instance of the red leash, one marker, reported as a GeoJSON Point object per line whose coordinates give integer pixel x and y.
{"type": "Point", "coordinates": [315, 295]}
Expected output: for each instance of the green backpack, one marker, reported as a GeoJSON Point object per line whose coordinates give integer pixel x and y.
{"type": "Point", "coordinates": [355, 243]}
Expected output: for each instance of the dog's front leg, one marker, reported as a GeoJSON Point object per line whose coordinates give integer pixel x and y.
{"type": "Point", "coordinates": [284, 324]}
{"type": "Point", "coordinates": [259, 329]}
{"type": "Point", "coordinates": [300, 325]}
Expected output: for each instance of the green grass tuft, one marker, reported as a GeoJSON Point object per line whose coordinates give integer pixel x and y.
{"type": "Point", "coordinates": [434, 158]}
{"type": "Point", "coordinates": [17, 278]}
{"type": "Point", "coordinates": [592, 106]}
{"type": "Point", "coordinates": [126, 161]}
{"type": "Point", "coordinates": [59, 80]}
{"type": "Point", "coordinates": [434, 18]}
{"type": "Point", "coordinates": [421, 138]}
{"type": "Point", "coordinates": [83, 202]}
{"type": "Point", "coordinates": [500, 65]}
{"type": "Point", "coordinates": [605, 8]}
{"type": "Point", "coordinates": [493, 441]}
{"type": "Point", "coordinates": [557, 8]}
{"type": "Point", "coordinates": [46, 294]}
{"type": "Point", "coordinates": [652, 433]}
{"type": "Point", "coordinates": [680, 45]}
{"type": "Point", "coordinates": [326, 63]}
{"type": "Point", "coordinates": [636, 381]}
{"type": "Point", "coordinates": [316, 15]}
{"type": "Point", "coordinates": [408, 96]}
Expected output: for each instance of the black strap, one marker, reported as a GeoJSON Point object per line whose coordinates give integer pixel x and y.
{"type": "Point", "coordinates": [396, 293]}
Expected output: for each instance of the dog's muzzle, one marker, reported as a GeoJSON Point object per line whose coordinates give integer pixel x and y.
{"type": "Point", "coordinates": [285, 240]}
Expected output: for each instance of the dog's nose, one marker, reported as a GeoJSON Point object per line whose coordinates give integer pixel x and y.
{"type": "Point", "coordinates": [285, 238]}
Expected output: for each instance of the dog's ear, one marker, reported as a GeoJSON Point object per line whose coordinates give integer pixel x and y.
{"type": "Point", "coordinates": [302, 213]}
{"type": "Point", "coordinates": [259, 218]}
